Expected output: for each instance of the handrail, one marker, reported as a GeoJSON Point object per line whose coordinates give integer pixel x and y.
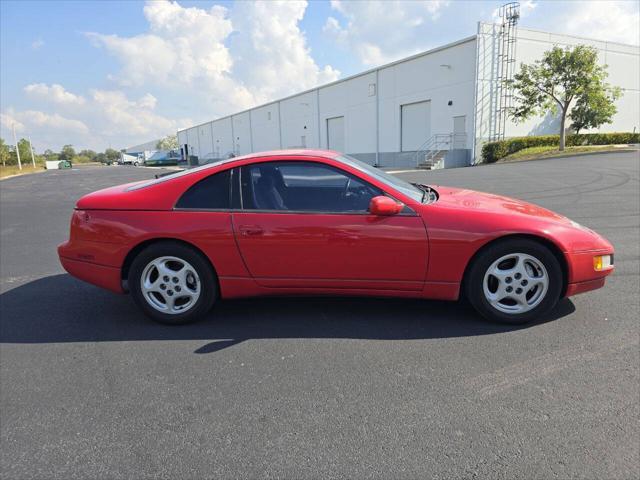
{"type": "Point", "coordinates": [440, 142]}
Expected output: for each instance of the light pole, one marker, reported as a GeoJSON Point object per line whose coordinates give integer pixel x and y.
{"type": "Point", "coordinates": [15, 141]}
{"type": "Point", "coordinates": [33, 160]}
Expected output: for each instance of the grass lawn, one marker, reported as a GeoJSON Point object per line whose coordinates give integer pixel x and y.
{"type": "Point", "coordinates": [532, 153]}
{"type": "Point", "coordinates": [10, 170]}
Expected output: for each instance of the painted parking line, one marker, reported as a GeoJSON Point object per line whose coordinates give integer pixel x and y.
{"type": "Point", "coordinates": [403, 171]}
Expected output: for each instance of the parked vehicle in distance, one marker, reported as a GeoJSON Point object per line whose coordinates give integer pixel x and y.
{"type": "Point", "coordinates": [163, 158]}
{"type": "Point", "coordinates": [319, 222]}
{"type": "Point", "coordinates": [57, 164]}
{"type": "Point", "coordinates": [128, 159]}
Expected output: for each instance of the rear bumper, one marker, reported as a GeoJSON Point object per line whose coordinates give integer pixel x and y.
{"type": "Point", "coordinates": [99, 275]}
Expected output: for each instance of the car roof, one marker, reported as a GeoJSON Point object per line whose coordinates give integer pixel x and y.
{"type": "Point", "coordinates": [300, 152]}
{"type": "Point", "coordinates": [305, 152]}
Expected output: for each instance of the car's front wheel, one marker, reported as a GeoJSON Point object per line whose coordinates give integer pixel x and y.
{"type": "Point", "coordinates": [172, 283]}
{"type": "Point", "coordinates": [514, 281]}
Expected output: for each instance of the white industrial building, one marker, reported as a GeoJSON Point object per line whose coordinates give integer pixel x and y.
{"type": "Point", "coordinates": [145, 149]}
{"type": "Point", "coordinates": [438, 106]}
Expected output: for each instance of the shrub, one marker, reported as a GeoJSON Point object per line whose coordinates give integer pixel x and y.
{"type": "Point", "coordinates": [494, 151]}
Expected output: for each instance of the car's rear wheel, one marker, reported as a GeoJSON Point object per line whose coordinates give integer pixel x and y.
{"type": "Point", "coordinates": [172, 283]}
{"type": "Point", "coordinates": [514, 281]}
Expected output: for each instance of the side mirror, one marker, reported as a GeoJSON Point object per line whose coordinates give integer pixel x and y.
{"type": "Point", "coordinates": [382, 205]}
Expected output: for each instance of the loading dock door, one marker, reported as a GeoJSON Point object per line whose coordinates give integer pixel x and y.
{"type": "Point", "coordinates": [335, 133]}
{"type": "Point", "coordinates": [415, 125]}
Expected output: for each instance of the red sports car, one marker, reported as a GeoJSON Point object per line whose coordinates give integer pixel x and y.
{"type": "Point", "coordinates": [313, 222]}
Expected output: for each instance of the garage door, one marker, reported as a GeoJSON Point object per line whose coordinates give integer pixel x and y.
{"type": "Point", "coordinates": [335, 133]}
{"type": "Point", "coordinates": [415, 125]}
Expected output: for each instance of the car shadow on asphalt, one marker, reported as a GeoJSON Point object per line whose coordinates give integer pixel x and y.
{"type": "Point", "coordinates": [60, 309]}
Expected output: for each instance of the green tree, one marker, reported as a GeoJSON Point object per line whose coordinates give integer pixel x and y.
{"type": "Point", "coordinates": [564, 77]}
{"type": "Point", "coordinates": [50, 155]}
{"type": "Point", "coordinates": [81, 159]}
{"type": "Point", "coordinates": [112, 155]}
{"type": "Point", "coordinates": [25, 150]}
{"type": "Point", "coordinates": [67, 152]}
{"type": "Point", "coordinates": [5, 152]}
{"type": "Point", "coordinates": [594, 109]}
{"type": "Point", "coordinates": [90, 154]}
{"type": "Point", "coordinates": [169, 142]}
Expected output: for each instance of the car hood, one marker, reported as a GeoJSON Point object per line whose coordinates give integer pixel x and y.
{"type": "Point", "coordinates": [486, 212]}
{"type": "Point", "coordinates": [464, 199]}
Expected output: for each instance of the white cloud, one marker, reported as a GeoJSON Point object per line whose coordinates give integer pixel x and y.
{"type": "Point", "coordinates": [37, 44]}
{"type": "Point", "coordinates": [383, 31]}
{"type": "Point", "coordinates": [54, 93]}
{"type": "Point", "coordinates": [183, 44]}
{"type": "Point", "coordinates": [9, 121]}
{"type": "Point", "coordinates": [104, 117]}
{"type": "Point", "coordinates": [212, 61]}
{"type": "Point", "coordinates": [52, 121]}
{"type": "Point", "coordinates": [142, 56]}
{"type": "Point", "coordinates": [190, 48]}
{"type": "Point", "coordinates": [273, 59]}
{"type": "Point", "coordinates": [118, 114]}
{"type": "Point", "coordinates": [147, 102]}
{"type": "Point", "coordinates": [617, 21]}
{"type": "Point", "coordinates": [29, 120]}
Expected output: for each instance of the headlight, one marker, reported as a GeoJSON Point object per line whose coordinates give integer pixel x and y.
{"type": "Point", "coordinates": [602, 262]}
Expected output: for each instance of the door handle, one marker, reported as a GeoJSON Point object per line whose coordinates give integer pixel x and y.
{"type": "Point", "coordinates": [251, 230]}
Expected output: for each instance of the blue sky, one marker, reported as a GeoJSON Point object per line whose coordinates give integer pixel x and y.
{"type": "Point", "coordinates": [100, 73]}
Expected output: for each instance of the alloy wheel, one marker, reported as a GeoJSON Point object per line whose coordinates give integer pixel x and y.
{"type": "Point", "coordinates": [515, 283]}
{"type": "Point", "coordinates": [170, 285]}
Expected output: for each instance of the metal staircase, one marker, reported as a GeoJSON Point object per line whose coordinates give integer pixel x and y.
{"type": "Point", "coordinates": [431, 154]}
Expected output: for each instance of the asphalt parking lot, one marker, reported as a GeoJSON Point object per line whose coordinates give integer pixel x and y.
{"type": "Point", "coordinates": [319, 388]}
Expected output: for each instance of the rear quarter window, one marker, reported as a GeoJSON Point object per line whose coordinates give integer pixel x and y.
{"type": "Point", "coordinates": [211, 193]}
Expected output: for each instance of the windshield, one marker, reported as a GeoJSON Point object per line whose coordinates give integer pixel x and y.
{"type": "Point", "coordinates": [395, 182]}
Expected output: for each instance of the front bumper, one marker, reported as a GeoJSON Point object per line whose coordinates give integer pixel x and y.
{"type": "Point", "coordinates": [582, 287]}
{"type": "Point", "coordinates": [582, 275]}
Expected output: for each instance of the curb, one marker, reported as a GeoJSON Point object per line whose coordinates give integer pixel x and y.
{"type": "Point", "coordinates": [577, 154]}
{"type": "Point", "coordinates": [22, 174]}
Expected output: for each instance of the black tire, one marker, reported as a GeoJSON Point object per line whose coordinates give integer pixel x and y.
{"type": "Point", "coordinates": [208, 282]}
{"type": "Point", "coordinates": [473, 282]}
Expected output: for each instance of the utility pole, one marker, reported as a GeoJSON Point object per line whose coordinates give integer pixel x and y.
{"type": "Point", "coordinates": [33, 160]}
{"type": "Point", "coordinates": [15, 141]}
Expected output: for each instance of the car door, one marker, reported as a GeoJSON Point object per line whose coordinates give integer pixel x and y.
{"type": "Point", "coordinates": [306, 224]}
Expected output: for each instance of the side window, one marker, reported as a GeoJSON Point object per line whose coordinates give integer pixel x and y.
{"type": "Point", "coordinates": [212, 192]}
{"type": "Point", "coordinates": [304, 187]}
